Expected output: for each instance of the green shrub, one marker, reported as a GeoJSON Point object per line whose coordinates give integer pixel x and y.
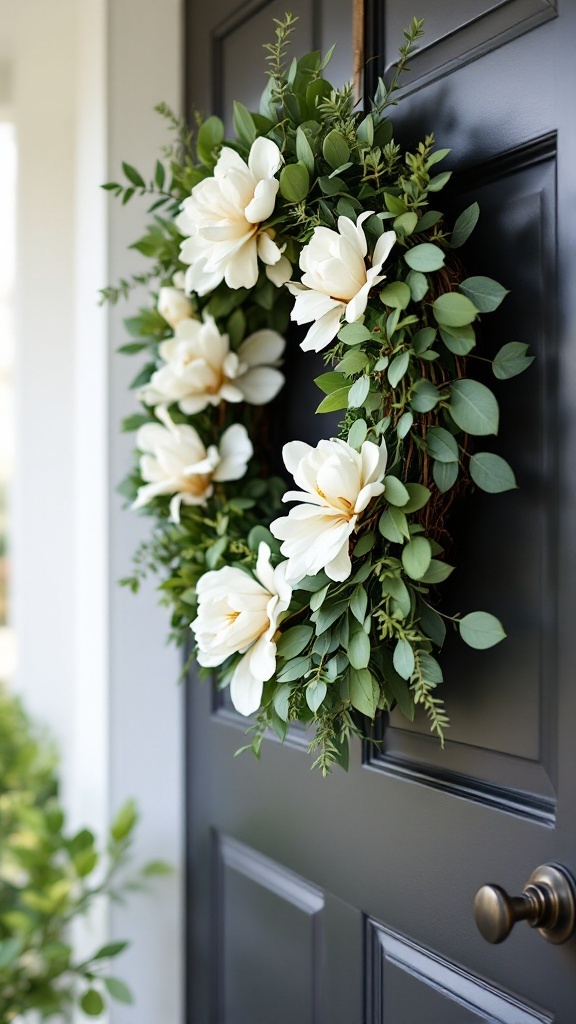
{"type": "Point", "coordinates": [48, 877]}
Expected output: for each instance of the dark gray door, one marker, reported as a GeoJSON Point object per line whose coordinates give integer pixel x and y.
{"type": "Point", "coordinates": [349, 900]}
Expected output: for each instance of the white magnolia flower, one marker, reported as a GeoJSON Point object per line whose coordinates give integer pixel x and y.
{"type": "Point", "coordinates": [200, 369]}
{"type": "Point", "coordinates": [175, 461]}
{"type": "Point", "coordinates": [336, 280]}
{"type": "Point", "coordinates": [173, 305]}
{"type": "Point", "coordinates": [238, 612]}
{"type": "Point", "coordinates": [337, 484]}
{"type": "Point", "coordinates": [223, 218]}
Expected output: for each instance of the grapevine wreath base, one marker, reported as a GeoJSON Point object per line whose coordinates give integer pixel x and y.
{"type": "Point", "coordinates": [329, 610]}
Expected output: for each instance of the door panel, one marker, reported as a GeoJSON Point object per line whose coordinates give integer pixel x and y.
{"type": "Point", "coordinates": [349, 900]}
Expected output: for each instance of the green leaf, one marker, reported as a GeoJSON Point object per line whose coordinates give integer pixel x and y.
{"type": "Point", "coordinates": [357, 434]}
{"type": "Point", "coordinates": [337, 400]}
{"type": "Point", "coordinates": [432, 625]}
{"type": "Point", "coordinates": [459, 340]}
{"type": "Point", "coordinates": [354, 334]}
{"type": "Point", "coordinates": [394, 204]}
{"type": "Point", "coordinates": [358, 392]}
{"type": "Point", "coordinates": [280, 701]}
{"type": "Point", "coordinates": [359, 603]}
{"type": "Point", "coordinates": [395, 492]}
{"type": "Point", "coordinates": [428, 220]}
{"type": "Point", "coordinates": [159, 175]}
{"type": "Point", "coordinates": [437, 156]}
{"type": "Point", "coordinates": [404, 424]}
{"type": "Point", "coordinates": [416, 557]}
{"type": "Point", "coordinates": [465, 225]}
{"type": "Point", "coordinates": [315, 693]}
{"type": "Point", "coordinates": [397, 589]}
{"type": "Point", "coordinates": [364, 691]}
{"type": "Point", "coordinates": [394, 526]}
{"type": "Point", "coordinates": [243, 124]}
{"type": "Point", "coordinates": [396, 294]}
{"type": "Point", "coordinates": [352, 362]}
{"type": "Point", "coordinates": [423, 339]}
{"type": "Point", "coordinates": [481, 630]}
{"type": "Point", "coordinates": [10, 949]}
{"type": "Point", "coordinates": [293, 641]}
{"type": "Point", "coordinates": [425, 257]}
{"type": "Point", "coordinates": [124, 821]}
{"type": "Point", "coordinates": [473, 407]}
{"type": "Point", "coordinates": [118, 990]}
{"type": "Point", "coordinates": [304, 153]}
{"type": "Point", "coordinates": [437, 572]}
{"type": "Point", "coordinates": [424, 396]}
{"type": "Point", "coordinates": [259, 534]}
{"type": "Point", "coordinates": [364, 545]}
{"type": "Point", "coordinates": [435, 184]}
{"type": "Point", "coordinates": [442, 445]}
{"type": "Point", "coordinates": [133, 176]}
{"type": "Point", "coordinates": [454, 310]}
{"type": "Point", "coordinates": [406, 223]}
{"type": "Point", "coordinates": [511, 360]}
{"type": "Point", "coordinates": [92, 1003]}
{"type": "Point", "coordinates": [335, 149]}
{"type": "Point", "coordinates": [359, 649]}
{"type": "Point", "coordinates": [329, 382]}
{"type": "Point", "coordinates": [403, 659]}
{"type": "Point", "coordinates": [365, 130]}
{"type": "Point", "coordinates": [430, 668]}
{"type": "Point", "coordinates": [294, 182]}
{"type": "Point", "coordinates": [110, 950]}
{"type": "Point", "coordinates": [398, 368]}
{"type": "Point", "coordinates": [418, 285]}
{"type": "Point", "coordinates": [492, 473]}
{"type": "Point", "coordinates": [294, 669]}
{"type": "Point", "coordinates": [210, 135]}
{"type": "Point", "coordinates": [445, 475]}
{"type": "Point", "coordinates": [485, 293]}
{"type": "Point", "coordinates": [419, 497]}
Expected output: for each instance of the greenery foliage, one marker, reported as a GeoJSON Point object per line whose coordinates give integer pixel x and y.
{"type": "Point", "coordinates": [49, 876]}
{"type": "Point", "coordinates": [403, 372]}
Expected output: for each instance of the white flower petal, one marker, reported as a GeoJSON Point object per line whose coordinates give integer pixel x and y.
{"type": "Point", "coordinates": [245, 689]}
{"type": "Point", "coordinates": [264, 347]}
{"type": "Point", "coordinates": [323, 331]}
{"type": "Point", "coordinates": [279, 273]}
{"type": "Point", "coordinates": [261, 385]}
{"type": "Point", "coordinates": [265, 158]}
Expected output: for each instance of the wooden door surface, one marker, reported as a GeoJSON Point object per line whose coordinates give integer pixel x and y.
{"type": "Point", "coordinates": [349, 900]}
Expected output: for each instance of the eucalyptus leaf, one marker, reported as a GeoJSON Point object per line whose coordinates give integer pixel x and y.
{"type": "Point", "coordinates": [454, 310]}
{"type": "Point", "coordinates": [416, 557]}
{"type": "Point", "coordinates": [418, 285]}
{"type": "Point", "coordinates": [424, 396]}
{"type": "Point", "coordinates": [294, 182]}
{"type": "Point", "coordinates": [357, 393]}
{"type": "Point", "coordinates": [293, 641]}
{"type": "Point", "coordinates": [359, 649]}
{"type": "Point", "coordinates": [315, 693]}
{"type": "Point", "coordinates": [473, 407]}
{"type": "Point", "coordinates": [481, 630]}
{"type": "Point", "coordinates": [364, 691]}
{"type": "Point", "coordinates": [492, 473]}
{"type": "Point", "coordinates": [404, 424]}
{"type": "Point", "coordinates": [403, 659]}
{"type": "Point", "coordinates": [395, 492]}
{"type": "Point", "coordinates": [396, 295]}
{"type": "Point", "coordinates": [354, 334]}
{"type": "Point", "coordinates": [357, 433]}
{"type": "Point", "coordinates": [437, 572]}
{"type": "Point", "coordinates": [423, 339]}
{"type": "Point", "coordinates": [459, 340]}
{"type": "Point", "coordinates": [398, 368]}
{"type": "Point", "coordinates": [511, 360]}
{"type": "Point", "coordinates": [445, 475]}
{"type": "Point", "coordinates": [442, 445]}
{"type": "Point", "coordinates": [394, 526]}
{"type": "Point", "coordinates": [424, 257]}
{"type": "Point", "coordinates": [484, 292]}
{"type": "Point", "coordinates": [465, 225]}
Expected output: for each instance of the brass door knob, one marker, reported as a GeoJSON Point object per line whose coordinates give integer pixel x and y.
{"type": "Point", "coordinates": [548, 903]}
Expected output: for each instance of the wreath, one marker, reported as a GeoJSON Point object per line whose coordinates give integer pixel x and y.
{"type": "Point", "coordinates": [328, 613]}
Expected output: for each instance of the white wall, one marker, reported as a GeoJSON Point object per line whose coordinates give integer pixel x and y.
{"type": "Point", "coordinates": [93, 662]}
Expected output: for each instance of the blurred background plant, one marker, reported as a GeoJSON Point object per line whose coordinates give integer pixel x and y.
{"type": "Point", "coordinates": [48, 878]}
